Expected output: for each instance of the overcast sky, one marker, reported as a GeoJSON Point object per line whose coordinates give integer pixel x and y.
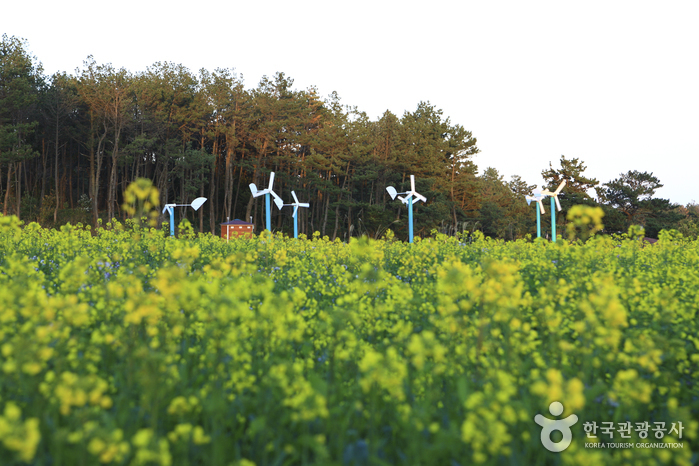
{"type": "Point", "coordinates": [613, 83]}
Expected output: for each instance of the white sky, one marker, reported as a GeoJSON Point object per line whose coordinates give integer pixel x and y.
{"type": "Point", "coordinates": [613, 83]}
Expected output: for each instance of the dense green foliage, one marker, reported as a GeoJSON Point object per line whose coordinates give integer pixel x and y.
{"type": "Point", "coordinates": [124, 346]}
{"type": "Point", "coordinates": [69, 144]}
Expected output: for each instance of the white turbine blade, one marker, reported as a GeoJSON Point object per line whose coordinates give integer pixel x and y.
{"type": "Point", "coordinates": [303, 204]}
{"type": "Point", "coordinates": [560, 187]}
{"type": "Point", "coordinates": [296, 209]}
{"type": "Point", "coordinates": [196, 203]}
{"type": "Point", "coordinates": [419, 197]}
{"type": "Point", "coordinates": [296, 199]}
{"type": "Point", "coordinates": [403, 199]}
{"type": "Point", "coordinates": [412, 183]}
{"type": "Point", "coordinates": [558, 204]}
{"type": "Point", "coordinates": [541, 206]}
{"type": "Point", "coordinates": [277, 200]}
{"type": "Point", "coordinates": [255, 192]}
{"type": "Point", "coordinates": [391, 192]}
{"type": "Point", "coordinates": [271, 180]}
{"type": "Point", "coordinates": [167, 208]}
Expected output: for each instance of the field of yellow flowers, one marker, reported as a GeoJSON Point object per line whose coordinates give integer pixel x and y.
{"type": "Point", "coordinates": [124, 346]}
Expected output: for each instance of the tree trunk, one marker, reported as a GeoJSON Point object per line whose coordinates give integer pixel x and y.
{"type": "Point", "coordinates": [18, 186]}
{"type": "Point", "coordinates": [201, 211]}
{"type": "Point", "coordinates": [70, 180]}
{"type": "Point", "coordinates": [325, 215]}
{"type": "Point", "coordinates": [212, 191]}
{"type": "Point", "coordinates": [237, 192]}
{"type": "Point", "coordinates": [44, 159]}
{"type": "Point", "coordinates": [57, 187]}
{"type": "Point", "coordinates": [111, 199]}
{"type": "Point", "coordinates": [95, 169]}
{"type": "Point", "coordinates": [337, 217]}
{"type": "Point", "coordinates": [9, 186]}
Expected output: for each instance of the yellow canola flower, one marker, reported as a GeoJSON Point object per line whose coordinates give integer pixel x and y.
{"type": "Point", "coordinates": [282, 323]}
{"type": "Point", "coordinates": [73, 391]}
{"type": "Point", "coordinates": [20, 437]}
{"type": "Point", "coordinates": [571, 393]}
{"type": "Point", "coordinates": [387, 371]}
{"type": "Point", "coordinates": [628, 387]}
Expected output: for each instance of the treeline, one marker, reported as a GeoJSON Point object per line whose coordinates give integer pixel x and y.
{"type": "Point", "coordinates": [70, 144]}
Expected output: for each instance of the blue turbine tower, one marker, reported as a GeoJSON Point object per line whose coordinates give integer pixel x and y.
{"type": "Point", "coordinates": [296, 205]}
{"type": "Point", "coordinates": [411, 197]}
{"type": "Point", "coordinates": [554, 197]}
{"type": "Point", "coordinates": [267, 192]}
{"type": "Point", "coordinates": [537, 196]}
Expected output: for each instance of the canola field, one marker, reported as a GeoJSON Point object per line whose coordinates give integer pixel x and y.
{"type": "Point", "coordinates": [126, 347]}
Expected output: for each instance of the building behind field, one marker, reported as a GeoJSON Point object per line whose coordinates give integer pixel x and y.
{"type": "Point", "coordinates": [236, 228]}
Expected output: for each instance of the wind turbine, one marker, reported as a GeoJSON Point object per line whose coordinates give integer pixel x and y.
{"type": "Point", "coordinates": [554, 197]}
{"type": "Point", "coordinates": [296, 205]}
{"type": "Point", "coordinates": [537, 196]}
{"type": "Point", "coordinates": [267, 192]}
{"type": "Point", "coordinates": [196, 203]}
{"type": "Point", "coordinates": [411, 197]}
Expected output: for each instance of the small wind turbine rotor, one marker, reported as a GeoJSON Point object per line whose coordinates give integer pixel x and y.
{"type": "Point", "coordinates": [258, 193]}
{"type": "Point", "coordinates": [537, 200]}
{"type": "Point", "coordinates": [408, 197]}
{"type": "Point", "coordinates": [537, 196]}
{"type": "Point", "coordinates": [297, 204]}
{"type": "Point", "coordinates": [414, 194]}
{"type": "Point", "coordinates": [555, 194]}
